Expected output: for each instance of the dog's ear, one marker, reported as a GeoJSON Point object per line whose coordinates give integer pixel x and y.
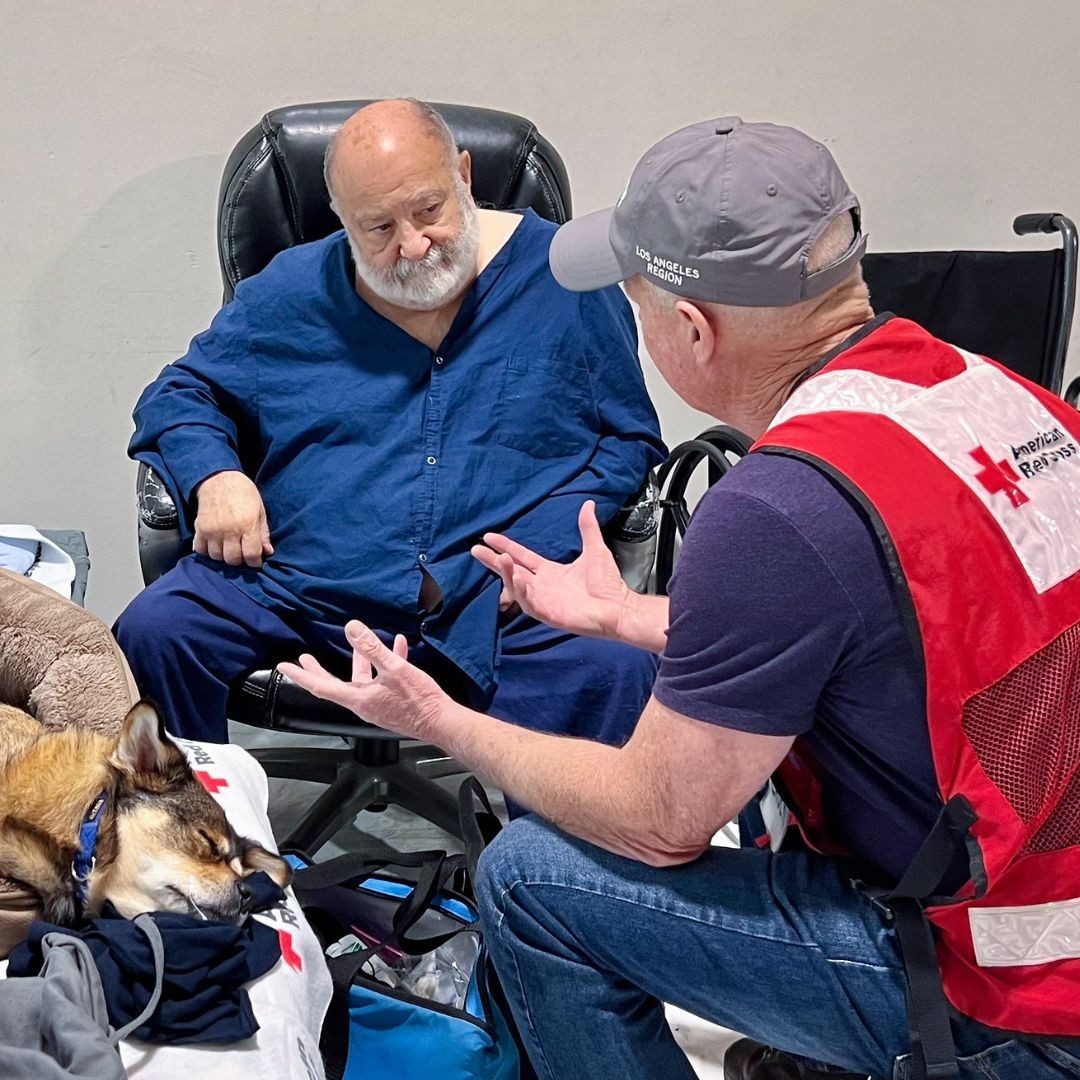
{"type": "Point", "coordinates": [256, 858]}
{"type": "Point", "coordinates": [144, 747]}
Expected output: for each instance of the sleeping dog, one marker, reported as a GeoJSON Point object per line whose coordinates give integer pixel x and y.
{"type": "Point", "coordinates": [86, 819]}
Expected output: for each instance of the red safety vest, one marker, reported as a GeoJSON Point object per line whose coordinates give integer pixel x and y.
{"type": "Point", "coordinates": [971, 476]}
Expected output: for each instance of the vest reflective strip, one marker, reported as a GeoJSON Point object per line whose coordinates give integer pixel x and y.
{"type": "Point", "coordinates": [853, 390]}
{"type": "Point", "coordinates": [1024, 936]}
{"type": "Point", "coordinates": [994, 436]}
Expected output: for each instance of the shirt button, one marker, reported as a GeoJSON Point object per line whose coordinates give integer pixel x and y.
{"type": "Point", "coordinates": [422, 557]}
{"type": "Point", "coordinates": [431, 460]}
{"type": "Point", "coordinates": [440, 361]}
{"type": "Point", "coordinates": [423, 626]}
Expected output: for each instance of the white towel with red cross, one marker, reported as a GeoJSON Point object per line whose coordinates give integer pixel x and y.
{"type": "Point", "coordinates": [291, 999]}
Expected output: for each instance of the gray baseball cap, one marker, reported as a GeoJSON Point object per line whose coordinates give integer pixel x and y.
{"type": "Point", "coordinates": [720, 211]}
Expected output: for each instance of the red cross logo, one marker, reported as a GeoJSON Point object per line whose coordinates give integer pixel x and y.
{"type": "Point", "coordinates": [288, 953]}
{"type": "Point", "coordinates": [213, 784]}
{"type": "Point", "coordinates": [998, 476]}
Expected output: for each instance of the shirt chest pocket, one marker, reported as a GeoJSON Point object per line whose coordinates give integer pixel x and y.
{"type": "Point", "coordinates": [545, 406]}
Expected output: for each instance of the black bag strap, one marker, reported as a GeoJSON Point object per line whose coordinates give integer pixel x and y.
{"type": "Point", "coordinates": [436, 869]}
{"type": "Point", "coordinates": [357, 864]}
{"type": "Point", "coordinates": [422, 897]}
{"type": "Point", "coordinates": [334, 1040]}
{"type": "Point", "coordinates": [478, 827]}
{"type": "Point", "coordinates": [929, 1030]}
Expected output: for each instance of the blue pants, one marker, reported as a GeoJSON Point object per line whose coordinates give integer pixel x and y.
{"type": "Point", "coordinates": [191, 633]}
{"type": "Point", "coordinates": [778, 947]}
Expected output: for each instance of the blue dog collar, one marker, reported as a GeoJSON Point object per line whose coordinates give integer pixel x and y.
{"type": "Point", "coordinates": [82, 866]}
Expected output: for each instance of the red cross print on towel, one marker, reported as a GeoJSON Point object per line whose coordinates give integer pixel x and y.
{"type": "Point", "coordinates": [998, 476]}
{"type": "Point", "coordinates": [213, 784]}
{"type": "Point", "coordinates": [288, 953]}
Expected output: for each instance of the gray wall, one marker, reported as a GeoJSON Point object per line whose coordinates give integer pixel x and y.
{"type": "Point", "coordinates": [949, 119]}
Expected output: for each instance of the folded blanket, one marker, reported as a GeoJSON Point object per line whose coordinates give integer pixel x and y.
{"type": "Point", "coordinates": [24, 550]}
{"type": "Point", "coordinates": [206, 966]}
{"type": "Point", "coordinates": [18, 555]}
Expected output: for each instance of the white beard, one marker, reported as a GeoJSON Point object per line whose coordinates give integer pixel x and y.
{"type": "Point", "coordinates": [428, 283]}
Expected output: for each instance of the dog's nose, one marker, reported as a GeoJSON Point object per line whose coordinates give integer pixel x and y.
{"type": "Point", "coordinates": [247, 897]}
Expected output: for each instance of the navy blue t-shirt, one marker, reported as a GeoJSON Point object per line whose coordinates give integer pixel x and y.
{"type": "Point", "coordinates": [784, 622]}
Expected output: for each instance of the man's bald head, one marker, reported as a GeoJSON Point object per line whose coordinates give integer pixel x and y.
{"type": "Point", "coordinates": [402, 191]}
{"type": "Point", "coordinates": [377, 133]}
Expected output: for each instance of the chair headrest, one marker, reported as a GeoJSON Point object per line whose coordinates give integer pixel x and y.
{"type": "Point", "coordinates": [273, 195]}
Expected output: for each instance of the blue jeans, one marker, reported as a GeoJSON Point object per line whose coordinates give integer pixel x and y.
{"type": "Point", "coordinates": [778, 947]}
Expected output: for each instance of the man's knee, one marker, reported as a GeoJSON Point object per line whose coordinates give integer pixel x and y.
{"type": "Point", "coordinates": [148, 622]}
{"type": "Point", "coordinates": [163, 624]}
{"type": "Point", "coordinates": [526, 846]}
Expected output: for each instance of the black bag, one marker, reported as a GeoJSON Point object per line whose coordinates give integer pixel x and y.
{"type": "Point", "coordinates": [391, 906]}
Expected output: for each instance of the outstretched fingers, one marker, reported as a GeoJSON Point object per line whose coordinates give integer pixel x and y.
{"type": "Point", "coordinates": [365, 641]}
{"type": "Point", "coordinates": [589, 527]}
{"type": "Point", "coordinates": [361, 668]}
{"type": "Point", "coordinates": [503, 565]}
{"type": "Point", "coordinates": [521, 555]}
{"type": "Point", "coordinates": [370, 655]}
{"type": "Point", "coordinates": [315, 679]}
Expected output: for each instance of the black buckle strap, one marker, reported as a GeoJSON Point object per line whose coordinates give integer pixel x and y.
{"type": "Point", "coordinates": [929, 1029]}
{"type": "Point", "coordinates": [934, 860]}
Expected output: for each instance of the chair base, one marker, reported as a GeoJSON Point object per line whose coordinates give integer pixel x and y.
{"type": "Point", "coordinates": [368, 775]}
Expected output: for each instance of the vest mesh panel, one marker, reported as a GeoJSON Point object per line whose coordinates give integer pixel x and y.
{"type": "Point", "coordinates": [1025, 731]}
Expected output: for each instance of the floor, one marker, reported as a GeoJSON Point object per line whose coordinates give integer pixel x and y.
{"type": "Point", "coordinates": [704, 1043]}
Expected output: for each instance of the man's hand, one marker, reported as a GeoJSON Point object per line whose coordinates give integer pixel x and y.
{"type": "Point", "coordinates": [231, 521]}
{"type": "Point", "coordinates": [386, 690]}
{"type": "Point", "coordinates": [587, 596]}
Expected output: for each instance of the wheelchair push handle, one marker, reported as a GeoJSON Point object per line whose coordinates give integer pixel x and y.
{"type": "Point", "coordinates": [1026, 224]}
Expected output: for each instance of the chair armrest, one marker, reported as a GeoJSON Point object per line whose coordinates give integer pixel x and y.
{"type": "Point", "coordinates": [631, 535]}
{"type": "Point", "coordinates": [266, 699]}
{"type": "Point", "coordinates": [160, 543]}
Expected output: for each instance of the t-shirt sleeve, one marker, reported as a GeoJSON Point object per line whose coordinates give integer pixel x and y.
{"type": "Point", "coordinates": [759, 620]}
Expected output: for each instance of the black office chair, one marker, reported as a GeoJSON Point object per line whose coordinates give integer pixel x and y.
{"type": "Point", "coordinates": [272, 197]}
{"type": "Point", "coordinates": [1015, 306]}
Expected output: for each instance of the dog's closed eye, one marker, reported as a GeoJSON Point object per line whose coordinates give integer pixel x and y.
{"type": "Point", "coordinates": [215, 848]}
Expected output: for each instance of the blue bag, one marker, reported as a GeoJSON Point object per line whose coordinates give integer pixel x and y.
{"type": "Point", "coordinates": [378, 1032]}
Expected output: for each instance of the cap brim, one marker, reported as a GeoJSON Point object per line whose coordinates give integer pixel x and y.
{"type": "Point", "coordinates": [581, 255]}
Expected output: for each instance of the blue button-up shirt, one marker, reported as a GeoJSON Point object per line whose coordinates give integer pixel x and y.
{"type": "Point", "coordinates": [379, 459]}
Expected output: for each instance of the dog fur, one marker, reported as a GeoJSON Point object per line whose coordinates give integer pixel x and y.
{"type": "Point", "coordinates": [163, 845]}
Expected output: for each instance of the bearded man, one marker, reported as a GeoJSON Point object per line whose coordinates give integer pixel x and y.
{"type": "Point", "coordinates": [363, 411]}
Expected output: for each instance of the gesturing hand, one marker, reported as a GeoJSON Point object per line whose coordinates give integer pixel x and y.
{"type": "Point", "coordinates": [386, 690]}
{"type": "Point", "coordinates": [231, 521]}
{"type": "Point", "coordinates": [586, 596]}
